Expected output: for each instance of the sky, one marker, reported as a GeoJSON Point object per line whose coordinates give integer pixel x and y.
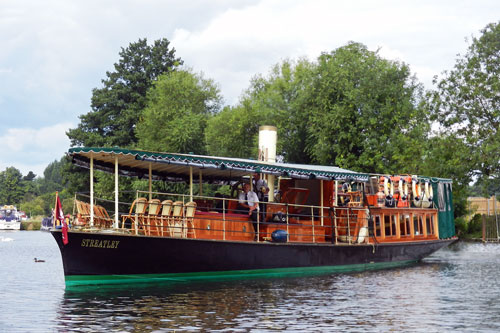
{"type": "Point", "coordinates": [54, 52]}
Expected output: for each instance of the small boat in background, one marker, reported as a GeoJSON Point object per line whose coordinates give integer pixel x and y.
{"type": "Point", "coordinates": [9, 218]}
{"type": "Point", "coordinates": [47, 223]}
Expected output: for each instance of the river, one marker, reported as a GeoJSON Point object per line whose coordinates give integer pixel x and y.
{"type": "Point", "coordinates": [457, 288]}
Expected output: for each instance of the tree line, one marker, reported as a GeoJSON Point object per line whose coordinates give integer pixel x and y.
{"type": "Point", "coordinates": [349, 107]}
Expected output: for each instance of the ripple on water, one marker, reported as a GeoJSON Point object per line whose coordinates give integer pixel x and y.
{"type": "Point", "coordinates": [455, 289]}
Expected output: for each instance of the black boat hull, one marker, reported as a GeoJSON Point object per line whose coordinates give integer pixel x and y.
{"type": "Point", "coordinates": [94, 258]}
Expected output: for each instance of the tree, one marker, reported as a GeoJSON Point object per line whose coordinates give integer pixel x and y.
{"type": "Point", "coordinates": [11, 186]}
{"type": "Point", "coordinates": [33, 207]}
{"type": "Point", "coordinates": [53, 177]}
{"type": "Point", "coordinates": [467, 104]}
{"type": "Point", "coordinates": [351, 108]}
{"type": "Point", "coordinates": [364, 113]}
{"type": "Point", "coordinates": [178, 107]}
{"type": "Point", "coordinates": [30, 176]}
{"type": "Point", "coordinates": [281, 100]}
{"type": "Point", "coordinates": [445, 157]}
{"type": "Point", "coordinates": [117, 106]}
{"type": "Point", "coordinates": [232, 132]}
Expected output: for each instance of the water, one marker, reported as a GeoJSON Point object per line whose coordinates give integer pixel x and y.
{"type": "Point", "coordinates": [457, 288]}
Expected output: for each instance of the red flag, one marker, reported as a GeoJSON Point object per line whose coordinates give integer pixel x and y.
{"type": "Point", "coordinates": [60, 217]}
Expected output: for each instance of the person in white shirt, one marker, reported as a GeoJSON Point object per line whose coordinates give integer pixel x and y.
{"type": "Point", "coordinates": [249, 202]}
{"type": "Point", "coordinates": [260, 187]}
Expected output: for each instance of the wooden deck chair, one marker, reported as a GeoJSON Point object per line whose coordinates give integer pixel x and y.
{"type": "Point", "coordinates": [152, 218]}
{"type": "Point", "coordinates": [355, 199]}
{"type": "Point", "coordinates": [189, 218]}
{"type": "Point", "coordinates": [98, 217]}
{"type": "Point", "coordinates": [166, 213]}
{"type": "Point", "coordinates": [82, 215]}
{"type": "Point", "coordinates": [103, 216]}
{"type": "Point", "coordinates": [136, 214]}
{"type": "Point", "coordinates": [177, 223]}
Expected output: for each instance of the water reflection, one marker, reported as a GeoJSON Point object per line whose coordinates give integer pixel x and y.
{"type": "Point", "coordinates": [452, 290]}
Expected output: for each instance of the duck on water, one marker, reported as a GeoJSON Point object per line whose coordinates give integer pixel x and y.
{"type": "Point", "coordinates": [313, 219]}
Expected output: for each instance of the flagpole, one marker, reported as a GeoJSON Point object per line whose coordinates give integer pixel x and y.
{"type": "Point", "coordinates": [54, 214]}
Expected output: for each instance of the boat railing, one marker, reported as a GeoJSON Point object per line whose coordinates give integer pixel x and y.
{"type": "Point", "coordinates": [220, 218]}
{"type": "Point", "coordinates": [105, 214]}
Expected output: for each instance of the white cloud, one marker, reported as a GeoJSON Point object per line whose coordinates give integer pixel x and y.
{"type": "Point", "coordinates": [30, 149]}
{"type": "Point", "coordinates": [239, 43]}
{"type": "Point", "coordinates": [55, 51]}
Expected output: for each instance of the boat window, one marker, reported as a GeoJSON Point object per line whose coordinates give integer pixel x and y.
{"type": "Point", "coordinates": [429, 220]}
{"type": "Point", "coordinates": [418, 224]}
{"type": "Point", "coordinates": [376, 220]}
{"type": "Point", "coordinates": [390, 225]}
{"type": "Point", "coordinates": [404, 224]}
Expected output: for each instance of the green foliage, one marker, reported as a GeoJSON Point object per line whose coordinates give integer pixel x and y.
{"type": "Point", "coordinates": [232, 132]}
{"type": "Point", "coordinates": [53, 177]}
{"type": "Point", "coordinates": [117, 106]}
{"type": "Point", "coordinates": [447, 157]}
{"type": "Point", "coordinates": [467, 103]}
{"type": "Point", "coordinates": [34, 207]}
{"type": "Point", "coordinates": [486, 187]}
{"type": "Point", "coordinates": [178, 108]}
{"type": "Point", "coordinates": [282, 99]}
{"type": "Point", "coordinates": [30, 176]}
{"type": "Point", "coordinates": [351, 108]}
{"type": "Point", "coordinates": [364, 113]}
{"type": "Point", "coordinates": [11, 186]}
{"type": "Point", "coordinates": [460, 227]}
{"type": "Point", "coordinates": [475, 226]}
{"type": "Point", "coordinates": [274, 100]}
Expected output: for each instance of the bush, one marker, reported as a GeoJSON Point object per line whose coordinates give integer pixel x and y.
{"type": "Point", "coordinates": [475, 225]}
{"type": "Point", "coordinates": [460, 227]}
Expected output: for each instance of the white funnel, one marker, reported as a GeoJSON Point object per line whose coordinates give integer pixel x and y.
{"type": "Point", "coordinates": [268, 136]}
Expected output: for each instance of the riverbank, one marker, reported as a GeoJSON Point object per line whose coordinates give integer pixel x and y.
{"type": "Point", "coordinates": [31, 224]}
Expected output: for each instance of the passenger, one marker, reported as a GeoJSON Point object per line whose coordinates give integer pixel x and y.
{"type": "Point", "coordinates": [260, 187]}
{"type": "Point", "coordinates": [249, 202]}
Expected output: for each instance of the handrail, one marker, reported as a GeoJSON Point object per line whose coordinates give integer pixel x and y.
{"type": "Point", "coordinates": [224, 222]}
{"type": "Point", "coordinates": [292, 229]}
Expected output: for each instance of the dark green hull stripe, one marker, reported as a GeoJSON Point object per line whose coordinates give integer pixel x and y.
{"type": "Point", "coordinates": [77, 280]}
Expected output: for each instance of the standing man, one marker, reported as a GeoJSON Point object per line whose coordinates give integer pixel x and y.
{"type": "Point", "coordinates": [262, 190]}
{"type": "Point", "coordinates": [249, 202]}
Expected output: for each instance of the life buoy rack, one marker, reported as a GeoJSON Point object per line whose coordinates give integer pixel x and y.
{"type": "Point", "coordinates": [422, 198]}
{"type": "Point", "coordinates": [403, 189]}
{"type": "Point", "coordinates": [428, 195]}
{"type": "Point", "coordinates": [389, 192]}
{"type": "Point", "coordinates": [388, 187]}
{"type": "Point", "coordinates": [416, 190]}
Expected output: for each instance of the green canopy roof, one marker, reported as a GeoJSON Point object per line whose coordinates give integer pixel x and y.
{"type": "Point", "coordinates": [169, 166]}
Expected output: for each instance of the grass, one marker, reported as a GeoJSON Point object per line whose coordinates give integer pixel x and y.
{"type": "Point", "coordinates": [31, 224]}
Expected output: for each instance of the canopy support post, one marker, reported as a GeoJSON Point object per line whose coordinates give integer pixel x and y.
{"type": "Point", "coordinates": [150, 182]}
{"type": "Point", "coordinates": [116, 192]}
{"type": "Point", "coordinates": [91, 189]}
{"type": "Point", "coordinates": [270, 184]}
{"type": "Point", "coordinates": [200, 192]}
{"type": "Point", "coordinates": [190, 183]}
{"type": "Point", "coordinates": [322, 203]}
